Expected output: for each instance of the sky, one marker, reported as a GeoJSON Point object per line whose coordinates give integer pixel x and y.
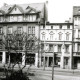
{"type": "Point", "coordinates": [58, 10]}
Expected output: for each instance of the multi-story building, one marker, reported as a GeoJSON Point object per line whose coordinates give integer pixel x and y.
{"type": "Point", "coordinates": [60, 39]}
{"type": "Point", "coordinates": [76, 36]}
{"type": "Point", "coordinates": [21, 18]}
{"type": "Point", "coordinates": [56, 38]}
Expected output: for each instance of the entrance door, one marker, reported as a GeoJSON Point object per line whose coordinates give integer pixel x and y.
{"type": "Point", "coordinates": [66, 62]}
{"type": "Point", "coordinates": [77, 62]}
{"type": "Point", "coordinates": [0, 57]}
{"type": "Point", "coordinates": [50, 61]}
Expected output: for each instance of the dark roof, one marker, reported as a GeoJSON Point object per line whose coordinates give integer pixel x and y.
{"type": "Point", "coordinates": [37, 7]}
{"type": "Point", "coordinates": [76, 10]}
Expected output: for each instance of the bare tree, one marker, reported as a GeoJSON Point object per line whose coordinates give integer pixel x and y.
{"type": "Point", "coordinates": [17, 43]}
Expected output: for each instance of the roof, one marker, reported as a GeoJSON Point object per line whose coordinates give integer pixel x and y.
{"type": "Point", "coordinates": [76, 10]}
{"type": "Point", "coordinates": [57, 23]}
{"type": "Point", "coordinates": [25, 8]}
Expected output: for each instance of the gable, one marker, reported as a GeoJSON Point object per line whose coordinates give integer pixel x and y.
{"type": "Point", "coordinates": [15, 11]}
{"type": "Point", "coordinates": [30, 10]}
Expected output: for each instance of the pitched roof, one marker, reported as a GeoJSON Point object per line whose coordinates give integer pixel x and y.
{"type": "Point", "coordinates": [76, 10]}
{"type": "Point", "coordinates": [37, 7]}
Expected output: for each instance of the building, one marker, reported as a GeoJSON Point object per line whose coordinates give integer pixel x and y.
{"type": "Point", "coordinates": [76, 37]}
{"type": "Point", "coordinates": [56, 38]}
{"type": "Point", "coordinates": [60, 39]}
{"type": "Point", "coordinates": [20, 18]}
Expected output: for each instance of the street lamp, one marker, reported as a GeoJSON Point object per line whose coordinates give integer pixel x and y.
{"type": "Point", "coordinates": [53, 64]}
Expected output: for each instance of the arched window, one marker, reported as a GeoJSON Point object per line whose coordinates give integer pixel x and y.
{"type": "Point", "coordinates": [51, 35]}
{"type": "Point", "coordinates": [67, 35]}
{"type": "Point", "coordinates": [43, 36]}
{"type": "Point", "coordinates": [60, 35]}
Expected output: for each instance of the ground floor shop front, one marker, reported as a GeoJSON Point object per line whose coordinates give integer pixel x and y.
{"type": "Point", "coordinates": [40, 60]}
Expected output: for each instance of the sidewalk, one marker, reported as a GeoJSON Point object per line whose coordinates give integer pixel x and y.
{"type": "Point", "coordinates": [47, 68]}
{"type": "Point", "coordinates": [55, 69]}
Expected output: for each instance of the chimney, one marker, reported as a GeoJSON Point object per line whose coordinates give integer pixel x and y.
{"type": "Point", "coordinates": [46, 10]}
{"type": "Point", "coordinates": [5, 6]}
{"type": "Point", "coordinates": [69, 20]}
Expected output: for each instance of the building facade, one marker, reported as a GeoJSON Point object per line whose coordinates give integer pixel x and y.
{"type": "Point", "coordinates": [20, 18]}
{"type": "Point", "coordinates": [56, 38]}
{"type": "Point", "coordinates": [76, 37]}
{"type": "Point", "coordinates": [60, 39]}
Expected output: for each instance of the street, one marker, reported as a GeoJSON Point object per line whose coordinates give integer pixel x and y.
{"type": "Point", "coordinates": [58, 75]}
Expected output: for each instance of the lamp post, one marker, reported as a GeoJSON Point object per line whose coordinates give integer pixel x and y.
{"type": "Point", "coordinates": [53, 67]}
{"type": "Point", "coordinates": [38, 42]}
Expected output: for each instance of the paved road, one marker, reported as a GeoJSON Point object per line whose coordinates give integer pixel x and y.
{"type": "Point", "coordinates": [58, 75]}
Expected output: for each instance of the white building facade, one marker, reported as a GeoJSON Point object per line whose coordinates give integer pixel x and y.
{"type": "Point", "coordinates": [56, 38]}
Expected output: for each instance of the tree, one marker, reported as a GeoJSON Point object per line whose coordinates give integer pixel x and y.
{"type": "Point", "coordinates": [17, 43]}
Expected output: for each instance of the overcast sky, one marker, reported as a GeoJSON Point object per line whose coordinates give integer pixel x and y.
{"type": "Point", "coordinates": [58, 10]}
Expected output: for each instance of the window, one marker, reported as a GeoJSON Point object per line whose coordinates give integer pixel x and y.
{"type": "Point", "coordinates": [78, 47]}
{"type": "Point", "coordinates": [9, 30]}
{"type": "Point", "coordinates": [79, 34]}
{"type": "Point", "coordinates": [19, 18]}
{"type": "Point", "coordinates": [68, 26]}
{"type": "Point", "coordinates": [60, 26]}
{"type": "Point", "coordinates": [33, 30]}
{"type": "Point", "coordinates": [19, 30]}
{"type": "Point", "coordinates": [60, 36]}
{"type": "Point", "coordinates": [19, 43]}
{"type": "Point", "coordinates": [51, 36]}
{"type": "Point", "coordinates": [9, 42]}
{"type": "Point", "coordinates": [67, 36]}
{"type": "Point", "coordinates": [0, 30]}
{"type": "Point", "coordinates": [43, 36]}
{"type": "Point", "coordinates": [29, 30]}
{"type": "Point", "coordinates": [51, 27]}
{"type": "Point", "coordinates": [50, 47]}
{"type": "Point", "coordinates": [11, 18]}
{"type": "Point", "coordinates": [66, 48]}
{"type": "Point", "coordinates": [59, 48]}
{"type": "Point", "coordinates": [15, 18]}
